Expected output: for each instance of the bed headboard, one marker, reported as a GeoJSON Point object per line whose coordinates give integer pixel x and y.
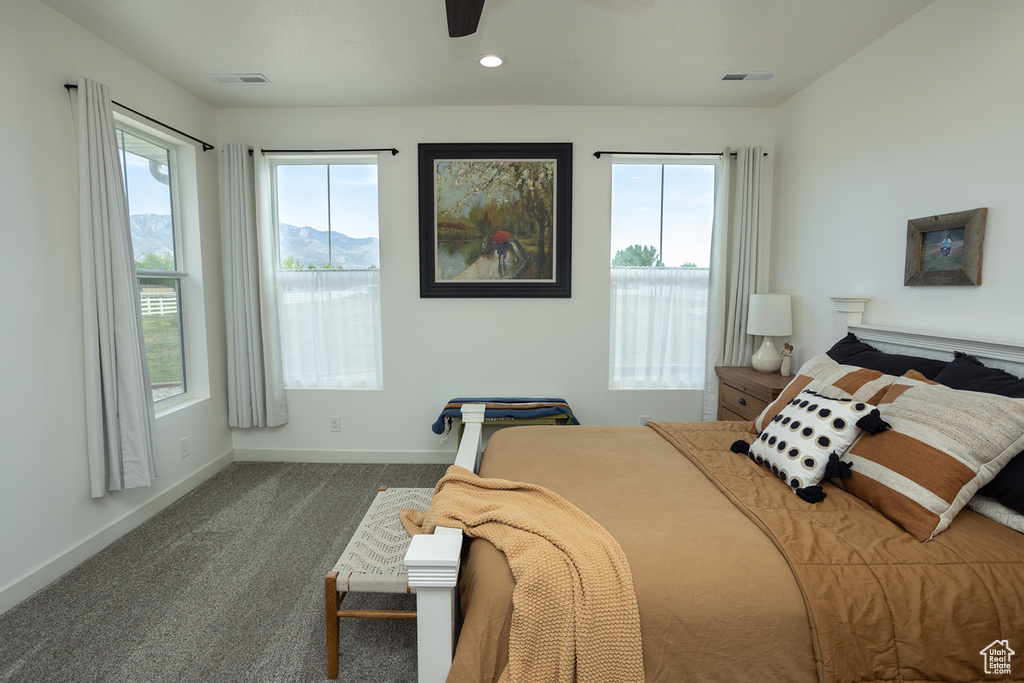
{"type": "Point", "coordinates": [995, 353]}
{"type": "Point", "coordinates": [1004, 354]}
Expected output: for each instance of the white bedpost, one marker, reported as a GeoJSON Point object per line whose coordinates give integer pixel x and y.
{"type": "Point", "coordinates": [851, 312]}
{"type": "Point", "coordinates": [470, 447]}
{"type": "Point", "coordinates": [433, 564]}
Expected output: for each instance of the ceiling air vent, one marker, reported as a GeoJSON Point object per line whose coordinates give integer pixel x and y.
{"type": "Point", "coordinates": [749, 76]}
{"type": "Point", "coordinates": [244, 79]}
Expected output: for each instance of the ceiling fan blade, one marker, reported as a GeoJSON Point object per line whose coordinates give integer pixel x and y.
{"type": "Point", "coordinates": [463, 16]}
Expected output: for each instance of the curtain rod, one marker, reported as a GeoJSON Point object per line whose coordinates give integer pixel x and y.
{"type": "Point", "coordinates": [206, 145]}
{"type": "Point", "coordinates": [326, 151]}
{"type": "Point", "coordinates": [670, 154]}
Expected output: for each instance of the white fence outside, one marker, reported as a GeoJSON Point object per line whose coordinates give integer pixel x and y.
{"type": "Point", "coordinates": [159, 304]}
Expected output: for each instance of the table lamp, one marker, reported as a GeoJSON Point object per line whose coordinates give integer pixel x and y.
{"type": "Point", "coordinates": [770, 315]}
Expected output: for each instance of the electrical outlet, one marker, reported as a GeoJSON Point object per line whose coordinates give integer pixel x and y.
{"type": "Point", "coordinates": [185, 448]}
{"type": "Point", "coordinates": [644, 419]}
{"type": "Point", "coordinates": [335, 423]}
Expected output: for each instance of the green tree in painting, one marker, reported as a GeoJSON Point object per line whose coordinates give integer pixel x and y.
{"type": "Point", "coordinates": [636, 255]}
{"type": "Point", "coordinates": [490, 192]}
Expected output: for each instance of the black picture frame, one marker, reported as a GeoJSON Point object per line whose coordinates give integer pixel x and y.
{"type": "Point", "coordinates": [945, 250]}
{"type": "Point", "coordinates": [469, 193]}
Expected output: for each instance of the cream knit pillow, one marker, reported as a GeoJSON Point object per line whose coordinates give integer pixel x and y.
{"type": "Point", "coordinates": [942, 447]}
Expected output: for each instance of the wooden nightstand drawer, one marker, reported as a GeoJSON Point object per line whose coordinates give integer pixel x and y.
{"type": "Point", "coordinates": [743, 392]}
{"type": "Point", "coordinates": [744, 405]}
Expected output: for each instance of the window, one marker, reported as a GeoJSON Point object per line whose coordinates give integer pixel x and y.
{"type": "Point", "coordinates": [149, 173]}
{"type": "Point", "coordinates": [328, 277]}
{"type": "Point", "coordinates": [662, 214]}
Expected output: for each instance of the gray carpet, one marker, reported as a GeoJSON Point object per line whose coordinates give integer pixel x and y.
{"type": "Point", "coordinates": [227, 584]}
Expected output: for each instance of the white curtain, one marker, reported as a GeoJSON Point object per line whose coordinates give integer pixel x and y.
{"type": "Point", "coordinates": [738, 267]}
{"type": "Point", "coordinates": [256, 396]}
{"type": "Point", "coordinates": [658, 337]}
{"type": "Point", "coordinates": [331, 328]}
{"type": "Point", "coordinates": [120, 419]}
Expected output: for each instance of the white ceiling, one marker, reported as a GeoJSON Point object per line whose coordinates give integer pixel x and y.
{"type": "Point", "coordinates": [558, 52]}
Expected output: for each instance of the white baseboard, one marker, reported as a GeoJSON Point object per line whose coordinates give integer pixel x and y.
{"type": "Point", "coordinates": [38, 578]}
{"type": "Point", "coordinates": [331, 456]}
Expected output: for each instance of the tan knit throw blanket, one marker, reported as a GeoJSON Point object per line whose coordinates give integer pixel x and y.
{"type": "Point", "coordinates": [574, 612]}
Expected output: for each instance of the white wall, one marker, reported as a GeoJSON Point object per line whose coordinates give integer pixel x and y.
{"type": "Point", "coordinates": [435, 349]}
{"type": "Point", "coordinates": [48, 522]}
{"type": "Point", "coordinates": [925, 121]}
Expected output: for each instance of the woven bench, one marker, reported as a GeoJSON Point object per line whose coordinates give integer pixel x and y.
{"type": "Point", "coordinates": [373, 562]}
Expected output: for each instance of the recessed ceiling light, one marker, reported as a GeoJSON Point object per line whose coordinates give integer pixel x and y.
{"type": "Point", "coordinates": [490, 61]}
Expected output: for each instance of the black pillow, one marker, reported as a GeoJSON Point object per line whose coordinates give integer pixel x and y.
{"type": "Point", "coordinates": [851, 351]}
{"type": "Point", "coordinates": [1008, 486]}
{"type": "Point", "coordinates": [968, 374]}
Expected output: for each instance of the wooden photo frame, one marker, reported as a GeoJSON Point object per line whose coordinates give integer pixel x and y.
{"type": "Point", "coordinates": [946, 249]}
{"type": "Point", "coordinates": [495, 219]}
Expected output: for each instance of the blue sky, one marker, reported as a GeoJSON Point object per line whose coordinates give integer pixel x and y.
{"type": "Point", "coordinates": [302, 197]}
{"type": "Point", "coordinates": [147, 194]}
{"type": "Point", "coordinates": [688, 210]}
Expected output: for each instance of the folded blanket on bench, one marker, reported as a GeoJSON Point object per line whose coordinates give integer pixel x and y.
{"type": "Point", "coordinates": [521, 408]}
{"type": "Point", "coordinates": [575, 615]}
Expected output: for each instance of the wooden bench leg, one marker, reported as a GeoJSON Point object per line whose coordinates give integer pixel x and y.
{"type": "Point", "coordinates": [332, 604]}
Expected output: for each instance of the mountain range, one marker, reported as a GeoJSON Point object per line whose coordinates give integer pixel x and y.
{"type": "Point", "coordinates": [151, 234]}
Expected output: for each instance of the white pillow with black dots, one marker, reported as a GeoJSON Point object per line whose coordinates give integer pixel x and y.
{"type": "Point", "coordinates": [809, 436]}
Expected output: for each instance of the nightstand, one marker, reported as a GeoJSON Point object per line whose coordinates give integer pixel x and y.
{"type": "Point", "coordinates": [743, 392]}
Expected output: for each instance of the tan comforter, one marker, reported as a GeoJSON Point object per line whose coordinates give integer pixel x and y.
{"type": "Point", "coordinates": [575, 615]}
{"type": "Point", "coordinates": [882, 605]}
{"type": "Point", "coordinates": [717, 601]}
{"type": "Point", "coordinates": [716, 576]}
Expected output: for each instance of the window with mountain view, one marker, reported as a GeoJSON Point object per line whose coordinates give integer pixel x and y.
{"type": "Point", "coordinates": [662, 215]}
{"type": "Point", "coordinates": [328, 277]}
{"type": "Point", "coordinates": [148, 169]}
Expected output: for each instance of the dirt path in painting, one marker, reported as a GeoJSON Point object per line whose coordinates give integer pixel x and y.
{"type": "Point", "coordinates": [484, 268]}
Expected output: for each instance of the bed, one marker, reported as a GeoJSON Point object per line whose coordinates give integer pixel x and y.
{"type": "Point", "coordinates": [735, 575]}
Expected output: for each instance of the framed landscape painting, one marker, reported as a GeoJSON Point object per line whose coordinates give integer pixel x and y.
{"type": "Point", "coordinates": [495, 219]}
{"type": "Point", "coordinates": [945, 249]}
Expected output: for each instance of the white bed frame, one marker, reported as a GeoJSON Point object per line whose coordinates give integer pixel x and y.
{"type": "Point", "coordinates": [433, 563]}
{"type": "Point", "coordinates": [433, 560]}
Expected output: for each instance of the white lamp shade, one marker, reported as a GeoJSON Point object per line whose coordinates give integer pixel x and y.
{"type": "Point", "coordinates": [770, 315]}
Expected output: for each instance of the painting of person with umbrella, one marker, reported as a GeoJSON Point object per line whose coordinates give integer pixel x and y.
{"type": "Point", "coordinates": [501, 246]}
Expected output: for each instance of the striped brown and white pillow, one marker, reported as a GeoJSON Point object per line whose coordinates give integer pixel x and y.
{"type": "Point", "coordinates": [826, 377]}
{"type": "Point", "coordinates": [942, 446]}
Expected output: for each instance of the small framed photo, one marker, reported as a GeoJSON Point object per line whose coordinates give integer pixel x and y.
{"type": "Point", "coordinates": [495, 219]}
{"type": "Point", "coordinates": [945, 250]}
